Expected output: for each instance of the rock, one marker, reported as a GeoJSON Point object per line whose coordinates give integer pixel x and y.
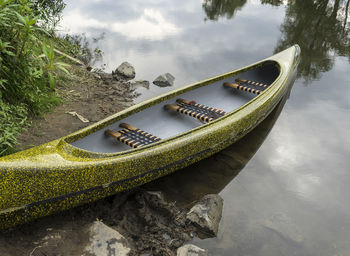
{"type": "Point", "coordinates": [140, 83]}
{"type": "Point", "coordinates": [191, 250]}
{"type": "Point", "coordinates": [124, 72]}
{"type": "Point", "coordinates": [106, 241]}
{"type": "Point", "coordinates": [206, 214]}
{"type": "Point", "coordinates": [284, 227]}
{"type": "Point", "coordinates": [164, 80]}
{"type": "Point", "coordinates": [105, 77]}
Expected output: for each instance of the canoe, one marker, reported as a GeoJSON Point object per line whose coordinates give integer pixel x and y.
{"type": "Point", "coordinates": [143, 142]}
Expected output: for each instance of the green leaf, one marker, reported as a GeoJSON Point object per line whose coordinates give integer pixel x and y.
{"type": "Point", "coordinates": [43, 30]}
{"type": "Point", "coordinates": [20, 18]}
{"type": "Point", "coordinates": [52, 81]}
{"type": "Point", "coordinates": [62, 64]}
{"type": "Point", "coordinates": [63, 69]}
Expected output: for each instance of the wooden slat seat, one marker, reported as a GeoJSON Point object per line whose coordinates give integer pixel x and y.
{"type": "Point", "coordinates": [242, 88]}
{"type": "Point", "coordinates": [245, 85]}
{"type": "Point", "coordinates": [132, 136]}
{"type": "Point", "coordinates": [243, 81]}
{"type": "Point", "coordinates": [196, 110]}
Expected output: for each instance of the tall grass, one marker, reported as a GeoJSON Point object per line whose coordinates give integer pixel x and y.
{"type": "Point", "coordinates": [28, 67]}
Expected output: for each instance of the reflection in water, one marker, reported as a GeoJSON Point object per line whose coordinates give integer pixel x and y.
{"type": "Point", "coordinates": [214, 9]}
{"type": "Point", "coordinates": [211, 175]}
{"type": "Point", "coordinates": [150, 25]}
{"type": "Point", "coordinates": [272, 2]}
{"type": "Point", "coordinates": [321, 29]}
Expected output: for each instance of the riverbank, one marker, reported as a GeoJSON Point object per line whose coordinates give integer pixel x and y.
{"type": "Point", "coordinates": [85, 95]}
{"type": "Point", "coordinates": [137, 222]}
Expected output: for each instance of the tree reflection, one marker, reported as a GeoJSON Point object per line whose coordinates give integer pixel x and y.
{"type": "Point", "coordinates": [320, 27]}
{"type": "Point", "coordinates": [272, 2]}
{"type": "Point", "coordinates": [215, 9]}
{"type": "Point", "coordinates": [321, 30]}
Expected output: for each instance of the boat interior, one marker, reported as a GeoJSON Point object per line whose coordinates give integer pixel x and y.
{"type": "Point", "coordinates": [181, 113]}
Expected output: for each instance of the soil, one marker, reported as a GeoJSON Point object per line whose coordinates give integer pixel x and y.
{"type": "Point", "coordinates": [94, 96]}
{"type": "Point", "coordinates": [151, 225]}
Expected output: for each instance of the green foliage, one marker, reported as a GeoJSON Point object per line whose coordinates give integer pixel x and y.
{"type": "Point", "coordinates": [28, 67]}
{"type": "Point", "coordinates": [13, 120]}
{"type": "Point", "coordinates": [52, 63]}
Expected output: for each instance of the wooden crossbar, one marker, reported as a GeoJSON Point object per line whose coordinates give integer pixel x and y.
{"type": "Point", "coordinates": [182, 110]}
{"type": "Point", "coordinates": [238, 80]}
{"type": "Point", "coordinates": [242, 88]}
{"type": "Point", "coordinates": [132, 136]}
{"type": "Point", "coordinates": [193, 109]}
{"type": "Point", "coordinates": [215, 110]}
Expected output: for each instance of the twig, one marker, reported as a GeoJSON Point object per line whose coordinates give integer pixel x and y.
{"type": "Point", "coordinates": [69, 57]}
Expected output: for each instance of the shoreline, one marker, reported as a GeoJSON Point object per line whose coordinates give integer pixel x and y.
{"type": "Point", "coordinates": [149, 224]}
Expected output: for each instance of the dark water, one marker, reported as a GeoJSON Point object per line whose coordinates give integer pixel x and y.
{"type": "Point", "coordinates": [286, 192]}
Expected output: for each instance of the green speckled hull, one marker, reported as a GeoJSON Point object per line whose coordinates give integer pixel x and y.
{"type": "Point", "coordinates": [57, 175]}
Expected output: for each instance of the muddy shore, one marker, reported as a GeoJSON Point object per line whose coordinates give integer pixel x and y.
{"type": "Point", "coordinates": [90, 95]}
{"type": "Point", "coordinates": [148, 223]}
{"type": "Point", "coordinates": [150, 226]}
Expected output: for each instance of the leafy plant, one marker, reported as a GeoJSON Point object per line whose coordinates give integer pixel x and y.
{"type": "Point", "coordinates": [28, 67]}
{"type": "Point", "coordinates": [13, 120]}
{"type": "Point", "coordinates": [52, 63]}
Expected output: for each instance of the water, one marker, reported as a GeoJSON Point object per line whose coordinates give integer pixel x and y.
{"type": "Point", "coordinates": [291, 196]}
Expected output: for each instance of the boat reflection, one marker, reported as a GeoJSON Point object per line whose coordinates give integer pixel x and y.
{"type": "Point", "coordinates": [212, 174]}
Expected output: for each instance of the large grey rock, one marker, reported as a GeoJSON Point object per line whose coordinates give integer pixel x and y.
{"type": "Point", "coordinates": [206, 214]}
{"type": "Point", "coordinates": [191, 250]}
{"type": "Point", "coordinates": [164, 80]}
{"type": "Point", "coordinates": [106, 241]}
{"type": "Point", "coordinates": [125, 71]}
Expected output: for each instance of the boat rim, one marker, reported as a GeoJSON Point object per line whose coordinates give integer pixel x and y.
{"type": "Point", "coordinates": [64, 146]}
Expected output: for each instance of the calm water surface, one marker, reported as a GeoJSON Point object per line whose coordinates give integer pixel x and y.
{"type": "Point", "coordinates": [286, 192]}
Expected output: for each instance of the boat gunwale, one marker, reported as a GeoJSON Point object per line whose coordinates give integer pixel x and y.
{"type": "Point", "coordinates": [65, 143]}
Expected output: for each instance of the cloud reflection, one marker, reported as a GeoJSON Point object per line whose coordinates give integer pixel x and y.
{"type": "Point", "coordinates": [151, 25]}
{"type": "Point", "coordinates": [75, 22]}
